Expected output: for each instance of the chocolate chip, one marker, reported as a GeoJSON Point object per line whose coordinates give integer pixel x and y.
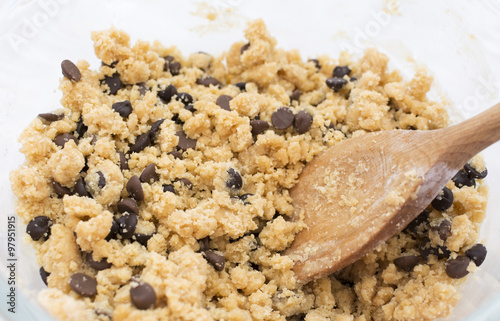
{"type": "Point", "coordinates": [44, 275]}
{"type": "Point", "coordinates": [102, 180]}
{"type": "Point", "coordinates": [124, 108]}
{"type": "Point", "coordinates": [128, 205]}
{"type": "Point", "coordinates": [185, 142]}
{"type": "Point", "coordinates": [81, 129]}
{"type": "Point", "coordinates": [168, 188]}
{"type": "Point", "coordinates": [184, 181]}
{"type": "Point", "coordinates": [168, 60]}
{"type": "Point", "coordinates": [123, 161]}
{"type": "Point", "coordinates": [60, 190]}
{"type": "Point", "coordinates": [282, 118]}
{"type": "Point", "coordinates": [207, 81]}
{"type": "Point", "coordinates": [149, 174]}
{"type": "Point", "coordinates": [244, 47]}
{"type": "Point", "coordinates": [462, 178]}
{"type": "Point", "coordinates": [155, 128]}
{"type": "Point", "coordinates": [114, 83]}
{"type": "Point", "coordinates": [443, 200]}
{"type": "Point", "coordinates": [218, 261]}
{"type": "Point", "coordinates": [70, 70]}
{"type": "Point", "coordinates": [241, 85]}
{"type": "Point", "coordinates": [477, 253]}
{"type": "Point", "coordinates": [295, 95]}
{"type": "Point", "coordinates": [127, 224]}
{"type": "Point", "coordinates": [143, 296]}
{"type": "Point", "coordinates": [443, 229]}
{"type": "Point", "coordinates": [419, 224]}
{"type": "Point", "coordinates": [50, 117]}
{"type": "Point", "coordinates": [61, 139]}
{"type": "Point", "coordinates": [204, 244]}
{"type": "Point", "coordinates": [302, 122]}
{"type": "Point", "coordinates": [407, 262]}
{"type": "Point", "coordinates": [134, 188]}
{"type": "Point", "coordinates": [442, 252]}
{"type": "Point", "coordinates": [185, 98]}
{"type": "Point", "coordinates": [94, 140]}
{"type": "Point", "coordinates": [39, 228]}
{"type": "Point", "coordinates": [113, 232]}
{"type": "Point", "coordinates": [234, 181]}
{"type": "Point", "coordinates": [167, 94]}
{"type": "Point", "coordinates": [336, 83]}
{"type": "Point", "coordinates": [244, 198]}
{"type": "Point", "coordinates": [143, 238]}
{"type": "Point", "coordinates": [83, 284]}
{"type": "Point", "coordinates": [175, 68]}
{"type": "Point", "coordinates": [316, 63]}
{"type": "Point", "coordinates": [111, 65]}
{"type": "Point", "coordinates": [474, 173]}
{"type": "Point", "coordinates": [142, 141]}
{"type": "Point", "coordinates": [341, 71]}
{"type": "Point", "coordinates": [97, 265]}
{"type": "Point", "coordinates": [80, 188]}
{"type": "Point", "coordinates": [143, 88]}
{"type": "Point", "coordinates": [190, 108]}
{"type": "Point", "coordinates": [457, 268]}
{"type": "Point", "coordinates": [425, 248]}
{"type": "Point", "coordinates": [223, 102]}
{"type": "Point", "coordinates": [259, 126]}
{"type": "Point", "coordinates": [176, 154]}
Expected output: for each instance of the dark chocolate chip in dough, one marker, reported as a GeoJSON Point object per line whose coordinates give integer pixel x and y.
{"type": "Point", "coordinates": [184, 181]}
{"type": "Point", "coordinates": [316, 63]}
{"type": "Point", "coordinates": [185, 142]}
{"type": "Point", "coordinates": [185, 98]}
{"type": "Point", "coordinates": [142, 238]}
{"type": "Point", "coordinates": [155, 128]}
{"type": "Point", "coordinates": [128, 205]}
{"type": "Point", "coordinates": [462, 178]}
{"type": "Point", "coordinates": [134, 188]}
{"type": "Point", "coordinates": [234, 180]}
{"type": "Point", "coordinates": [474, 173]}
{"type": "Point", "coordinates": [223, 102]}
{"type": "Point", "coordinates": [114, 83]}
{"type": "Point", "coordinates": [80, 188]}
{"type": "Point", "coordinates": [353, 79]}
{"type": "Point", "coordinates": [241, 85]}
{"type": "Point", "coordinates": [149, 174]}
{"type": "Point", "coordinates": [143, 296]}
{"type": "Point", "coordinates": [81, 129]}
{"type": "Point", "coordinates": [60, 190]}
{"type": "Point", "coordinates": [336, 83]}
{"type": "Point", "coordinates": [407, 262]}
{"type": "Point", "coordinates": [167, 94]}
{"type": "Point", "coordinates": [44, 275]}
{"type": "Point", "coordinates": [142, 141]}
{"type": "Point", "coordinates": [419, 224]}
{"type": "Point", "coordinates": [295, 95]}
{"type": "Point", "coordinates": [457, 268]}
{"type": "Point", "coordinates": [443, 200]}
{"type": "Point", "coordinates": [50, 117]}
{"type": "Point", "coordinates": [204, 244]}
{"type": "Point", "coordinates": [168, 60]}
{"type": "Point", "coordinates": [176, 154]}
{"type": "Point", "coordinates": [143, 88]}
{"type": "Point", "coordinates": [425, 248]}
{"type": "Point", "coordinates": [341, 71]}
{"type": "Point", "coordinates": [477, 253]}
{"type": "Point", "coordinates": [207, 81]}
{"type": "Point", "coordinates": [39, 228]}
{"type": "Point", "coordinates": [259, 126]}
{"type": "Point", "coordinates": [282, 118]}
{"type": "Point", "coordinates": [61, 139]}
{"type": "Point", "coordinates": [442, 252]}
{"type": "Point", "coordinates": [102, 180]}
{"type": "Point", "coordinates": [303, 121]}
{"type": "Point", "coordinates": [70, 70]}
{"type": "Point", "coordinates": [218, 261]}
{"type": "Point", "coordinates": [124, 108]}
{"type": "Point", "coordinates": [123, 161]}
{"type": "Point", "coordinates": [127, 224]}
{"type": "Point", "coordinates": [83, 284]}
{"type": "Point", "coordinates": [103, 264]}
{"type": "Point", "coordinates": [244, 198]}
{"type": "Point", "coordinates": [175, 68]}
{"type": "Point", "coordinates": [113, 232]}
{"type": "Point", "coordinates": [244, 47]}
{"type": "Point", "coordinates": [443, 229]}
{"type": "Point", "coordinates": [190, 108]}
{"type": "Point", "coordinates": [168, 188]}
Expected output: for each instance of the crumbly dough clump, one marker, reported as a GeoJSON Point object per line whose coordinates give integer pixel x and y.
{"type": "Point", "coordinates": [228, 193]}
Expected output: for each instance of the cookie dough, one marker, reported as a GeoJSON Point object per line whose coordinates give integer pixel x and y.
{"type": "Point", "coordinates": [159, 190]}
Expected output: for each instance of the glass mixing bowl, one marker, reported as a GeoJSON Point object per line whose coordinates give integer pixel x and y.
{"type": "Point", "coordinates": [458, 41]}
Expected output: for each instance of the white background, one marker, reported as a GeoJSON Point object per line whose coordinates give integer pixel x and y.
{"type": "Point", "coordinates": [459, 41]}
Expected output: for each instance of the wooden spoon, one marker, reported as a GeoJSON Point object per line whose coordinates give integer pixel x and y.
{"type": "Point", "coordinates": [360, 192]}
